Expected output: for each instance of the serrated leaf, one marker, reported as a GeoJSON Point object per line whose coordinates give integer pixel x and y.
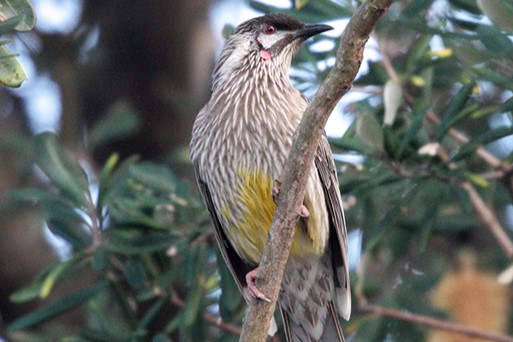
{"type": "Point", "coordinates": [61, 167]}
{"type": "Point", "coordinates": [392, 100]}
{"type": "Point", "coordinates": [57, 307]}
{"type": "Point", "coordinates": [18, 8]}
{"type": "Point", "coordinates": [499, 11]}
{"type": "Point", "coordinates": [369, 130]}
{"type": "Point", "coordinates": [11, 71]}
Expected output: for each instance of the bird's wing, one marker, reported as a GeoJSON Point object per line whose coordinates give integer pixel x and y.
{"type": "Point", "coordinates": [338, 233]}
{"type": "Point", "coordinates": [238, 268]}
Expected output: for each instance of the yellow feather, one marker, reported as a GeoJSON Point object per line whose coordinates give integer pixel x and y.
{"type": "Point", "coordinates": [248, 225]}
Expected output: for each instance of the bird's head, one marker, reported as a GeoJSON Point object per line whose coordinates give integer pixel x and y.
{"type": "Point", "coordinates": [267, 40]}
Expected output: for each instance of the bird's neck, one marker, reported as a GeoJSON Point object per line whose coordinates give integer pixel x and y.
{"type": "Point", "coordinates": [251, 67]}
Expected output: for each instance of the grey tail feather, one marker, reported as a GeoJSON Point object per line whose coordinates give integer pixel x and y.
{"type": "Point", "coordinates": [332, 329]}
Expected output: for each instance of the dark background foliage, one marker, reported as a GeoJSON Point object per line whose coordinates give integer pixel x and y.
{"type": "Point", "coordinates": [425, 172]}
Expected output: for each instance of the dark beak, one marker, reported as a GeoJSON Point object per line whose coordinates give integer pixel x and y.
{"type": "Point", "coordinates": [311, 30]}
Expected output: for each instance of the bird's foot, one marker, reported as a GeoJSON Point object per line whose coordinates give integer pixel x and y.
{"type": "Point", "coordinates": [276, 190]}
{"type": "Point", "coordinates": [252, 288]}
{"type": "Point", "coordinates": [303, 210]}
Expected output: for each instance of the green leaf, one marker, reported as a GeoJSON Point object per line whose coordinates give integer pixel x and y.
{"type": "Point", "coordinates": [11, 72]}
{"type": "Point", "coordinates": [154, 176]}
{"type": "Point", "coordinates": [134, 243]}
{"type": "Point", "coordinates": [120, 121]}
{"type": "Point", "coordinates": [499, 11]}
{"type": "Point", "coordinates": [105, 177]}
{"type": "Point", "coordinates": [62, 169]}
{"type": "Point", "coordinates": [58, 307]}
{"type": "Point", "coordinates": [58, 271]}
{"type": "Point", "coordinates": [369, 130]}
{"type": "Point", "coordinates": [477, 180]}
{"type": "Point", "coordinates": [72, 232]}
{"type": "Point", "coordinates": [9, 24]}
{"type": "Point", "coordinates": [135, 272]}
{"type": "Point", "coordinates": [454, 106]}
{"type": "Point", "coordinates": [412, 131]}
{"type": "Point", "coordinates": [482, 139]}
{"type": "Point", "coordinates": [27, 293]}
{"type": "Point", "coordinates": [18, 8]}
{"type": "Point", "coordinates": [466, 5]}
{"type": "Point", "coordinates": [496, 41]}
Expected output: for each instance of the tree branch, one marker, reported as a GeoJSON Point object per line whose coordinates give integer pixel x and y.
{"type": "Point", "coordinates": [432, 322]}
{"type": "Point", "coordinates": [295, 174]}
{"type": "Point", "coordinates": [489, 218]}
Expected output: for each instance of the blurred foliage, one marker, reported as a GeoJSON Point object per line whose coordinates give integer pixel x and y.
{"type": "Point", "coordinates": [444, 70]}
{"type": "Point", "coordinates": [135, 227]}
{"type": "Point", "coordinates": [14, 15]}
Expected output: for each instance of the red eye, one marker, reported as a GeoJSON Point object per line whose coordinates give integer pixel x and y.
{"type": "Point", "coordinates": [269, 29]}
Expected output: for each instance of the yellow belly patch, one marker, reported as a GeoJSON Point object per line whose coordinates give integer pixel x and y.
{"type": "Point", "coordinates": [249, 214]}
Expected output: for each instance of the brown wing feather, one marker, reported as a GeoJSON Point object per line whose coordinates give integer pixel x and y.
{"type": "Point", "coordinates": [338, 233]}
{"type": "Point", "coordinates": [238, 268]}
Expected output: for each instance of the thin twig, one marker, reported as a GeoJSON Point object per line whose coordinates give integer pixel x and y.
{"type": "Point", "coordinates": [489, 218]}
{"type": "Point", "coordinates": [432, 322]}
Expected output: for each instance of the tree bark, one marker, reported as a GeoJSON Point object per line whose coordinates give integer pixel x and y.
{"type": "Point", "coordinates": [337, 83]}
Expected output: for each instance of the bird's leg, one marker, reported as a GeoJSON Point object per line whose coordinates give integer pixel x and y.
{"type": "Point", "coordinates": [303, 210]}
{"type": "Point", "coordinates": [252, 288]}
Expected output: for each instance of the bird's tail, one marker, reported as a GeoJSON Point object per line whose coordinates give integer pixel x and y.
{"type": "Point", "coordinates": [332, 330]}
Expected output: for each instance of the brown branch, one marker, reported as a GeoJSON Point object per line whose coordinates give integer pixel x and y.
{"type": "Point", "coordinates": [432, 322]}
{"type": "Point", "coordinates": [296, 171]}
{"type": "Point", "coordinates": [489, 218]}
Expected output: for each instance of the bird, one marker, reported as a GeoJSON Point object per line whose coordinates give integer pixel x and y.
{"type": "Point", "coordinates": [240, 142]}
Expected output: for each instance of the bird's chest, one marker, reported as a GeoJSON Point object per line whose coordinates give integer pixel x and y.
{"type": "Point", "coordinates": [244, 148]}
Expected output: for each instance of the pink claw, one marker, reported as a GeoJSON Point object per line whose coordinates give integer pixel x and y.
{"type": "Point", "coordinates": [303, 210]}
{"type": "Point", "coordinates": [253, 290]}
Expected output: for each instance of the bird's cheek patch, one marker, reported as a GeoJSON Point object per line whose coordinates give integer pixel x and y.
{"type": "Point", "coordinates": [265, 55]}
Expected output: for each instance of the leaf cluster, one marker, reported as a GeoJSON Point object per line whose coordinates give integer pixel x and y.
{"type": "Point", "coordinates": [18, 16]}
{"type": "Point", "coordinates": [136, 228]}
